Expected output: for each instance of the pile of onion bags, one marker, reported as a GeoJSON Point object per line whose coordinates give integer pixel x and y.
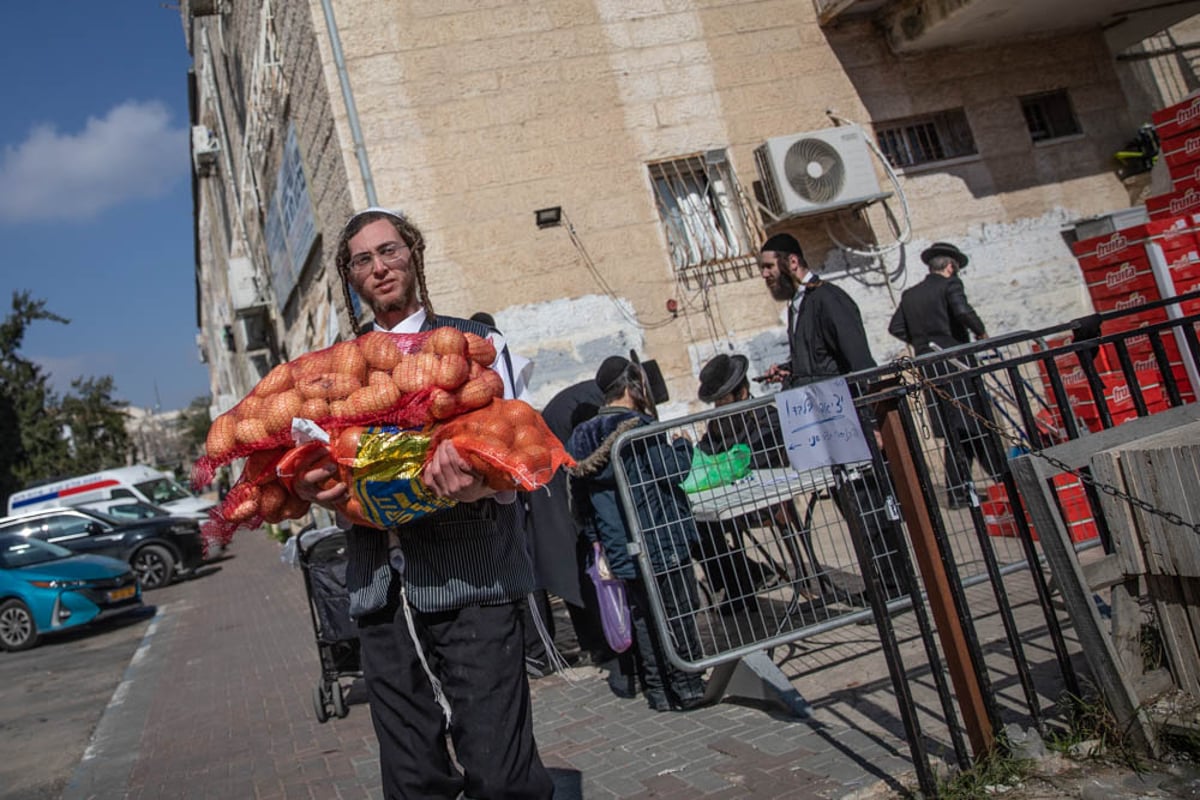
{"type": "Point", "coordinates": [405, 380]}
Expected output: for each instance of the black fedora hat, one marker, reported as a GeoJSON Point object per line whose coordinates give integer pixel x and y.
{"type": "Point", "coordinates": [945, 249]}
{"type": "Point", "coordinates": [721, 375]}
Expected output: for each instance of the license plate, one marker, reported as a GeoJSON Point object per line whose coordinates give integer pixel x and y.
{"type": "Point", "coordinates": [124, 593]}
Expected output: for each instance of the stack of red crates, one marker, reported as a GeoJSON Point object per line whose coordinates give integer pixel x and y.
{"type": "Point", "coordinates": [1178, 129]}
{"type": "Point", "coordinates": [1116, 269]}
{"type": "Point", "coordinates": [1077, 512]}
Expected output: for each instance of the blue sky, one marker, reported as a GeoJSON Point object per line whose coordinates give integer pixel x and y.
{"type": "Point", "coordinates": [95, 203]}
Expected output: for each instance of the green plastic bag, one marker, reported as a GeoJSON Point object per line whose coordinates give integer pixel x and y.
{"type": "Point", "coordinates": [709, 472]}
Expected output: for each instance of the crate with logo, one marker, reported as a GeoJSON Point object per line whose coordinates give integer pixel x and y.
{"type": "Point", "coordinates": [1122, 245]}
{"type": "Point", "coordinates": [999, 515]}
{"type": "Point", "coordinates": [1177, 120]}
{"type": "Point", "coordinates": [1181, 153]}
{"type": "Point", "coordinates": [1174, 204]}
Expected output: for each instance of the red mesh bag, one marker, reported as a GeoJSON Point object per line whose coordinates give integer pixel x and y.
{"type": "Point", "coordinates": [408, 380]}
{"type": "Point", "coordinates": [508, 442]}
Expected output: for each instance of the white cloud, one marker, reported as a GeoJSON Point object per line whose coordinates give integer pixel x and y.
{"type": "Point", "coordinates": [132, 153]}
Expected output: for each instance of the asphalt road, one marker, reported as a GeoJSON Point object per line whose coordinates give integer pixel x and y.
{"type": "Point", "coordinates": [54, 695]}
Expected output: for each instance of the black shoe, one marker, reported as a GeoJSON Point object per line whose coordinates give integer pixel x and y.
{"type": "Point", "coordinates": [536, 669]}
{"type": "Point", "coordinates": [623, 686]}
{"type": "Point", "coordinates": [657, 700]}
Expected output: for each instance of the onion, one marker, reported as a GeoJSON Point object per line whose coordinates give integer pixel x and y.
{"type": "Point", "coordinates": [348, 360]}
{"type": "Point", "coordinates": [279, 409]}
{"type": "Point", "coordinates": [249, 431]}
{"type": "Point", "coordinates": [373, 399]}
{"type": "Point", "coordinates": [222, 436]}
{"type": "Point", "coordinates": [314, 408]}
{"type": "Point", "coordinates": [445, 341]}
{"type": "Point", "coordinates": [271, 499]}
{"type": "Point", "coordinates": [416, 372]}
{"type": "Point", "coordinates": [278, 379]}
{"type": "Point", "coordinates": [452, 371]}
{"type": "Point", "coordinates": [379, 349]}
{"type": "Point", "coordinates": [442, 404]}
{"type": "Point", "coordinates": [329, 385]}
{"type": "Point", "coordinates": [480, 350]}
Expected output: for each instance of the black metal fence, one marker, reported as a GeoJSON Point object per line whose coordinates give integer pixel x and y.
{"type": "Point", "coordinates": [933, 511]}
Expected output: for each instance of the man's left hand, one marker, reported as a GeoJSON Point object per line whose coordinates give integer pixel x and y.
{"type": "Point", "coordinates": [449, 475]}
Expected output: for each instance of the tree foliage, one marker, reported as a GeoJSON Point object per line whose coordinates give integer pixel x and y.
{"type": "Point", "coordinates": [194, 422]}
{"type": "Point", "coordinates": [95, 420]}
{"type": "Point", "coordinates": [41, 435]}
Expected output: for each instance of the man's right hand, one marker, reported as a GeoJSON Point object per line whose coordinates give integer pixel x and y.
{"type": "Point", "coordinates": [777, 374]}
{"type": "Point", "coordinates": [316, 481]}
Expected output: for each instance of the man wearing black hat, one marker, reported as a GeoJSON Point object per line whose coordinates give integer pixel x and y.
{"type": "Point", "coordinates": [731, 574]}
{"type": "Point", "coordinates": [935, 315]}
{"type": "Point", "coordinates": [826, 339]}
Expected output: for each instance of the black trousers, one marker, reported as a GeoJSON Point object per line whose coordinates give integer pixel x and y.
{"type": "Point", "coordinates": [664, 683]}
{"type": "Point", "coordinates": [477, 653]}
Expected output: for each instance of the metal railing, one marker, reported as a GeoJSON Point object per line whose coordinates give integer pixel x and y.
{"type": "Point", "coordinates": [778, 555]}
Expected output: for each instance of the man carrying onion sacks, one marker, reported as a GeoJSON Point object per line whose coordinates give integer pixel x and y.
{"type": "Point", "coordinates": [437, 600]}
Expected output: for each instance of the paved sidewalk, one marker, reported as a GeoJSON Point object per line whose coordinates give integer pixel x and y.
{"type": "Point", "coordinates": [219, 705]}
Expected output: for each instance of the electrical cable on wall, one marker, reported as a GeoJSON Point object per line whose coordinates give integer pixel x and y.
{"type": "Point", "coordinates": [905, 236]}
{"type": "Point", "coordinates": [604, 285]}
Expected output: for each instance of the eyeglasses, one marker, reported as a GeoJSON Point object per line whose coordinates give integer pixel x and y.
{"type": "Point", "coordinates": [390, 253]}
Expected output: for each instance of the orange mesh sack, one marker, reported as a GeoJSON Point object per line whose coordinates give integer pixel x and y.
{"type": "Point", "coordinates": [408, 380]}
{"type": "Point", "coordinates": [257, 497]}
{"type": "Point", "coordinates": [508, 442]}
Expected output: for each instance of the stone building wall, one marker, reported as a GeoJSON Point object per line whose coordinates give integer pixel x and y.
{"type": "Point", "coordinates": [474, 113]}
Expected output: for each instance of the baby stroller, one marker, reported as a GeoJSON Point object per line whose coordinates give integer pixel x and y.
{"type": "Point", "coordinates": [322, 557]}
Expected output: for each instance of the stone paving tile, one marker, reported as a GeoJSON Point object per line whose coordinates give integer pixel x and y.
{"type": "Point", "coordinates": [232, 716]}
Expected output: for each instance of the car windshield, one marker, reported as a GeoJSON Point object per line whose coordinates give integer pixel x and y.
{"type": "Point", "coordinates": [134, 510]}
{"type": "Point", "coordinates": [17, 551]}
{"type": "Point", "coordinates": [162, 490]}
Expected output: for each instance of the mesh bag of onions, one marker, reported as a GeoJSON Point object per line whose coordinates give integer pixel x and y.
{"type": "Point", "coordinates": [506, 441]}
{"type": "Point", "coordinates": [395, 378]}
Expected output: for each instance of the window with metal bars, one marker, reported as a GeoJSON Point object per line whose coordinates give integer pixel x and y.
{"type": "Point", "coordinates": [710, 230]}
{"type": "Point", "coordinates": [925, 139]}
{"type": "Point", "coordinates": [1048, 115]}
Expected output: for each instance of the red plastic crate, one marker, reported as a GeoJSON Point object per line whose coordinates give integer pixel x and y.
{"type": "Point", "coordinates": [1181, 152]}
{"type": "Point", "coordinates": [1111, 248]}
{"type": "Point", "coordinates": [1174, 204]}
{"type": "Point", "coordinates": [1178, 119]}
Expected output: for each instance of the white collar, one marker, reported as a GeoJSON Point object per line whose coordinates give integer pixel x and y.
{"type": "Point", "coordinates": [410, 324]}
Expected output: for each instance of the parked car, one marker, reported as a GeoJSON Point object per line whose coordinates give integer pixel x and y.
{"type": "Point", "coordinates": [158, 548]}
{"type": "Point", "coordinates": [127, 508]}
{"type": "Point", "coordinates": [45, 589]}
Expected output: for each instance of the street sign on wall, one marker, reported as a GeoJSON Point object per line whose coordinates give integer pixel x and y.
{"type": "Point", "coordinates": [291, 229]}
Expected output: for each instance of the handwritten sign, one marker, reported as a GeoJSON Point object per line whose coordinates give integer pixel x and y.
{"type": "Point", "coordinates": [820, 426]}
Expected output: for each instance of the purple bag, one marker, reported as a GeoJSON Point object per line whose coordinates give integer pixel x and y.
{"type": "Point", "coordinates": [614, 611]}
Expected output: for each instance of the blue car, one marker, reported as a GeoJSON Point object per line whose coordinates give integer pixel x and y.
{"type": "Point", "coordinates": [45, 588]}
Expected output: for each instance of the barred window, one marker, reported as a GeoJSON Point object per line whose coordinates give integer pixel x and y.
{"type": "Point", "coordinates": [930, 137]}
{"type": "Point", "coordinates": [1048, 115]}
{"type": "Point", "coordinates": [710, 230]}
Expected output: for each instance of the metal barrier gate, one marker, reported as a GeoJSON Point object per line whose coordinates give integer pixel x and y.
{"type": "Point", "coordinates": [779, 555]}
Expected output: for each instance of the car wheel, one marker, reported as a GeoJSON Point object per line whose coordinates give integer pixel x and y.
{"type": "Point", "coordinates": [17, 628]}
{"type": "Point", "coordinates": [154, 566]}
{"type": "Point", "coordinates": [319, 703]}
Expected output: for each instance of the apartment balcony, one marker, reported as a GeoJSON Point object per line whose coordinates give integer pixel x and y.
{"type": "Point", "coordinates": [919, 25]}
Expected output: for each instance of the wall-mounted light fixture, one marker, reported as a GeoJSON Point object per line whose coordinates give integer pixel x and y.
{"type": "Point", "coordinates": [548, 217]}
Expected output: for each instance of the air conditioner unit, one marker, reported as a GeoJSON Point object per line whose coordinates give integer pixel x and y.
{"type": "Point", "coordinates": [817, 171]}
{"type": "Point", "coordinates": [244, 293]}
{"type": "Point", "coordinates": [205, 147]}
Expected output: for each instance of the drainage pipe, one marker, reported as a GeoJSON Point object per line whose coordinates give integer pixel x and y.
{"type": "Point", "coordinates": [360, 149]}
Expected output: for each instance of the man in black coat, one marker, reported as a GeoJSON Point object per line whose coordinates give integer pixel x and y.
{"type": "Point", "coordinates": [934, 315]}
{"type": "Point", "coordinates": [562, 552]}
{"type": "Point", "coordinates": [731, 573]}
{"type": "Point", "coordinates": [826, 339]}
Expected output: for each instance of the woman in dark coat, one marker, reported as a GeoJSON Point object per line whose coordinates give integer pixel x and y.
{"type": "Point", "coordinates": [654, 467]}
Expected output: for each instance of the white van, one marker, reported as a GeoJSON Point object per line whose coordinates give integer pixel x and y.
{"type": "Point", "coordinates": [139, 481]}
